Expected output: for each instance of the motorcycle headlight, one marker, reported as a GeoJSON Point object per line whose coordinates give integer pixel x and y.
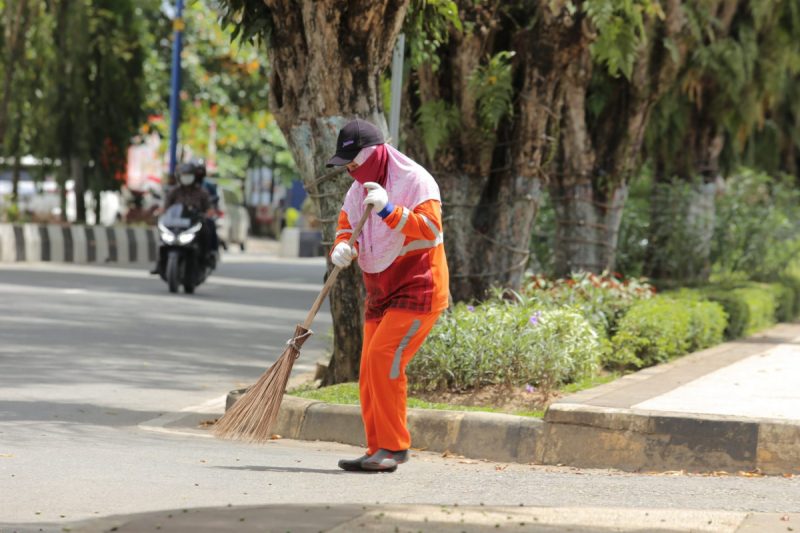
{"type": "Point", "coordinates": [166, 235]}
{"type": "Point", "coordinates": [186, 238]}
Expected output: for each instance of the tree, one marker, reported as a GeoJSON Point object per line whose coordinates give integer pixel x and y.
{"type": "Point", "coordinates": [95, 95]}
{"type": "Point", "coordinates": [739, 73]}
{"type": "Point", "coordinates": [326, 58]}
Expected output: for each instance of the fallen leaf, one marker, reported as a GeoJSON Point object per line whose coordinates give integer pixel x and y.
{"type": "Point", "coordinates": [275, 437]}
{"type": "Point", "coordinates": [500, 467]}
{"type": "Point", "coordinates": [6, 455]}
{"type": "Point", "coordinates": [751, 473]}
{"type": "Point", "coordinates": [206, 423]}
{"type": "Point", "coordinates": [785, 518]}
{"type": "Point", "coordinates": [468, 462]}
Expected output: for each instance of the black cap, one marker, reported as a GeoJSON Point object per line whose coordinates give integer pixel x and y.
{"type": "Point", "coordinates": [356, 134]}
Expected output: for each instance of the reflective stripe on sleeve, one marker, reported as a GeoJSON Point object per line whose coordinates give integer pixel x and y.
{"type": "Point", "coordinates": [403, 219]}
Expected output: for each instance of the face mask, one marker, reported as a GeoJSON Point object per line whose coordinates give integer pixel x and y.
{"type": "Point", "coordinates": [186, 179]}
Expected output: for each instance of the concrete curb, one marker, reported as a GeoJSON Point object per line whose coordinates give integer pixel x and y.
{"type": "Point", "coordinates": [478, 435]}
{"type": "Point", "coordinates": [77, 244]}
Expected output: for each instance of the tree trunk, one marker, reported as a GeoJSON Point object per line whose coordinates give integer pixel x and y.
{"type": "Point", "coordinates": [599, 153]}
{"type": "Point", "coordinates": [79, 188]}
{"type": "Point", "coordinates": [15, 28]}
{"type": "Point", "coordinates": [326, 57]}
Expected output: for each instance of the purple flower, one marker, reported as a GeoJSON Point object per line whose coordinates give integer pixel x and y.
{"type": "Point", "coordinates": [535, 318]}
{"type": "Point", "coordinates": [530, 388]}
{"type": "Point", "coordinates": [470, 308]}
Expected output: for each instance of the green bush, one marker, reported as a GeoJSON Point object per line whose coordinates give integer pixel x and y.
{"type": "Point", "coordinates": [505, 343]}
{"type": "Point", "coordinates": [601, 299]}
{"type": "Point", "coordinates": [736, 308]}
{"type": "Point", "coordinates": [750, 307]}
{"type": "Point", "coordinates": [792, 281]}
{"type": "Point", "coordinates": [784, 301]}
{"type": "Point", "coordinates": [653, 331]}
{"type": "Point", "coordinates": [757, 223]}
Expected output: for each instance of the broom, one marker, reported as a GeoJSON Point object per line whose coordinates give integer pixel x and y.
{"type": "Point", "coordinates": [252, 416]}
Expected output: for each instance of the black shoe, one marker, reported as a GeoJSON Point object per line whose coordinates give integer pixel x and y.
{"type": "Point", "coordinates": [352, 465]}
{"type": "Point", "coordinates": [154, 270]}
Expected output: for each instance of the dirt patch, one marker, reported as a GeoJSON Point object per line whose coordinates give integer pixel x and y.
{"type": "Point", "coordinates": [502, 398]}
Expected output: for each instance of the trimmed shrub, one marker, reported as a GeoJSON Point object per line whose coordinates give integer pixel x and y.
{"type": "Point", "coordinates": [784, 301]}
{"type": "Point", "coordinates": [707, 324]}
{"type": "Point", "coordinates": [503, 343]}
{"type": "Point", "coordinates": [792, 281]}
{"type": "Point", "coordinates": [750, 306]}
{"type": "Point", "coordinates": [651, 332]}
{"type": "Point", "coordinates": [656, 330]}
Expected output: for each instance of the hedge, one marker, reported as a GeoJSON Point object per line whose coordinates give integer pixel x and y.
{"type": "Point", "coordinates": [655, 330]}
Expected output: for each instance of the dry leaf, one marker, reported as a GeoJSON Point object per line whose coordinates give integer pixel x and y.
{"type": "Point", "coordinates": [6, 455]}
{"type": "Point", "coordinates": [500, 467]}
{"type": "Point", "coordinates": [468, 462]}
{"type": "Point", "coordinates": [275, 436]}
{"type": "Point", "coordinates": [785, 518]}
{"type": "Point", "coordinates": [207, 423]}
{"type": "Point", "coordinates": [752, 473]}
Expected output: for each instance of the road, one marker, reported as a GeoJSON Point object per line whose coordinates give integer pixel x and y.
{"type": "Point", "coordinates": [98, 366]}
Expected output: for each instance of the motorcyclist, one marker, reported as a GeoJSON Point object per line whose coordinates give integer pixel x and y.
{"type": "Point", "coordinates": [190, 193]}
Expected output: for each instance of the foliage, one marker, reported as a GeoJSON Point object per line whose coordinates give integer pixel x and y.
{"type": "Point", "coordinates": [634, 228]}
{"type": "Point", "coordinates": [491, 84]}
{"type": "Point", "coordinates": [225, 95]}
{"type": "Point", "coordinates": [250, 20]}
{"type": "Point", "coordinates": [601, 299]}
{"type": "Point", "coordinates": [427, 26]}
{"type": "Point", "coordinates": [508, 343]}
{"type": "Point", "coordinates": [620, 26]}
{"type": "Point", "coordinates": [438, 120]}
{"type": "Point", "coordinates": [757, 226]}
{"type": "Point", "coordinates": [655, 330]}
{"type": "Point", "coordinates": [750, 308]}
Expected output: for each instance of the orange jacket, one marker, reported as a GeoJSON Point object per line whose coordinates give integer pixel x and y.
{"type": "Point", "coordinates": [416, 280]}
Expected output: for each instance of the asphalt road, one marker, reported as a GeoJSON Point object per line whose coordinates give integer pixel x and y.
{"type": "Point", "coordinates": [98, 366]}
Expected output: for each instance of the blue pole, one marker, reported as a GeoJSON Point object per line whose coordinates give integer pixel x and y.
{"type": "Point", "coordinates": [174, 96]}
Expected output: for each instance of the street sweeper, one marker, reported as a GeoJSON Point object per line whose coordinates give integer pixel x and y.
{"type": "Point", "coordinates": [401, 253]}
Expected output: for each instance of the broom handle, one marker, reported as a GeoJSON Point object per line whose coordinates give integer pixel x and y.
{"type": "Point", "coordinates": [335, 272]}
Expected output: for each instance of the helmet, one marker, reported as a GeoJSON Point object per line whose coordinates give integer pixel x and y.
{"type": "Point", "coordinates": [195, 168]}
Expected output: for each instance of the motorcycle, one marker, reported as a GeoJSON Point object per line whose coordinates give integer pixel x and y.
{"type": "Point", "coordinates": [182, 260]}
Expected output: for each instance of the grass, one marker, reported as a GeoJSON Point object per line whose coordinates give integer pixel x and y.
{"type": "Point", "coordinates": [347, 394]}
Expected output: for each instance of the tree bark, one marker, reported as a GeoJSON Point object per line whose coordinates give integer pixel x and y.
{"type": "Point", "coordinates": [15, 29]}
{"type": "Point", "coordinates": [598, 155]}
{"type": "Point", "coordinates": [326, 57]}
{"type": "Point", "coordinates": [78, 188]}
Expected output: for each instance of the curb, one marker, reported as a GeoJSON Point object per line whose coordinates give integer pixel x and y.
{"type": "Point", "coordinates": [647, 440]}
{"type": "Point", "coordinates": [77, 244]}
{"type": "Point", "coordinates": [477, 435]}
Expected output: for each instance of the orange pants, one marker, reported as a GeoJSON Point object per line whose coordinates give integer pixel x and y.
{"type": "Point", "coordinates": [389, 344]}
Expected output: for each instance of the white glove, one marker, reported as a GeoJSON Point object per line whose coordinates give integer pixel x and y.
{"type": "Point", "coordinates": [343, 255]}
{"type": "Point", "coordinates": [376, 196]}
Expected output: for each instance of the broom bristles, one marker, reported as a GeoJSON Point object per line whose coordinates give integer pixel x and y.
{"type": "Point", "coordinates": [252, 416]}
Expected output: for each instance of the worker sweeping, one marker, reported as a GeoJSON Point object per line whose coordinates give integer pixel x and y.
{"type": "Point", "coordinates": [401, 253]}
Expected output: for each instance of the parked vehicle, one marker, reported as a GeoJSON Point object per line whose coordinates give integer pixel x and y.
{"type": "Point", "coordinates": [183, 256]}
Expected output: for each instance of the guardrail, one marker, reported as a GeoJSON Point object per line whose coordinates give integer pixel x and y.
{"type": "Point", "coordinates": [77, 243]}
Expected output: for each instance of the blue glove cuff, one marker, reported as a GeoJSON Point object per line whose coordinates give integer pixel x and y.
{"type": "Point", "coordinates": [386, 211]}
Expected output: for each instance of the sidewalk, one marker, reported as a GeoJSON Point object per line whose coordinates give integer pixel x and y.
{"type": "Point", "coordinates": [732, 408]}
